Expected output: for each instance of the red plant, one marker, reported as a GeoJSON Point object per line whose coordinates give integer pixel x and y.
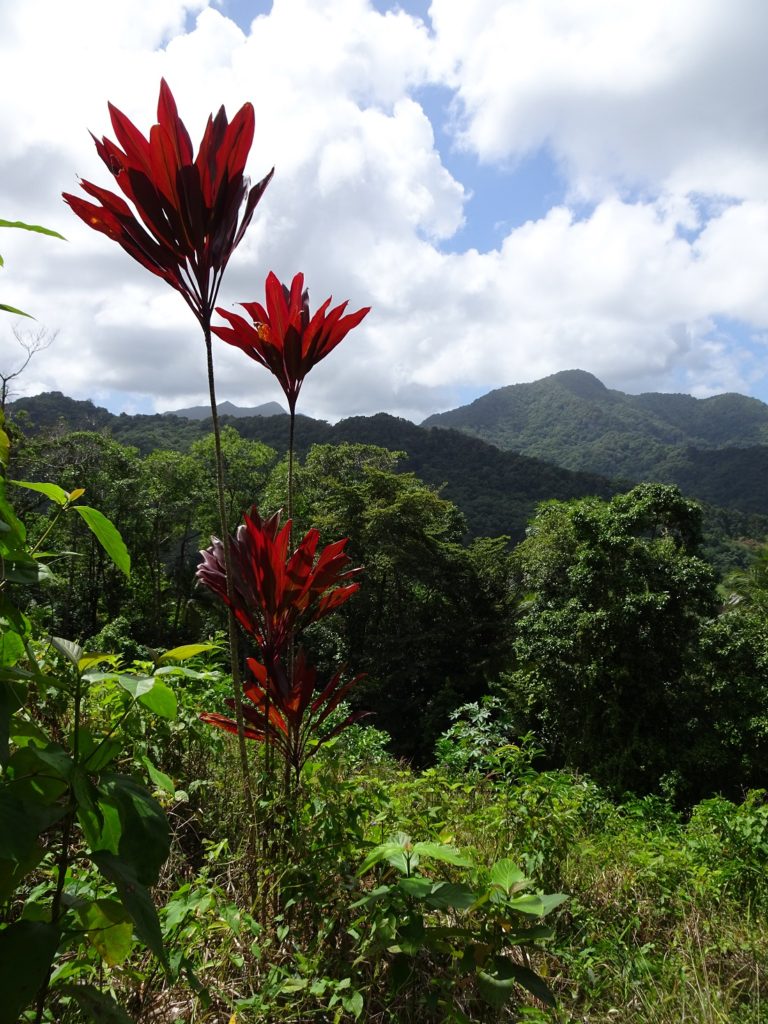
{"type": "Point", "coordinates": [275, 593]}
{"type": "Point", "coordinates": [188, 222]}
{"type": "Point", "coordinates": [287, 714]}
{"type": "Point", "coordinates": [284, 337]}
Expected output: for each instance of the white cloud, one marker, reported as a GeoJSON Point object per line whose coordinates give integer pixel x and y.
{"type": "Point", "coordinates": [663, 97]}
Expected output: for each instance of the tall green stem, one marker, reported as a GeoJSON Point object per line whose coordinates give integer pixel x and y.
{"type": "Point", "coordinates": [234, 658]}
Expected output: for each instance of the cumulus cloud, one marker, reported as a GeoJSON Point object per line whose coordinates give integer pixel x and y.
{"type": "Point", "coordinates": [652, 110]}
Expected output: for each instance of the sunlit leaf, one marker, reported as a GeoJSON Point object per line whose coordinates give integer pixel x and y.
{"type": "Point", "coordinates": [185, 651]}
{"type": "Point", "coordinates": [53, 491]}
{"type": "Point", "coordinates": [107, 535]}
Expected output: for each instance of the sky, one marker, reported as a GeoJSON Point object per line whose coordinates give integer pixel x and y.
{"type": "Point", "coordinates": [516, 187]}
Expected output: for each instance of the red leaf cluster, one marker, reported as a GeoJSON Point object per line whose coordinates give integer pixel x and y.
{"type": "Point", "coordinates": [284, 337]}
{"type": "Point", "coordinates": [275, 594]}
{"type": "Point", "coordinates": [188, 222]}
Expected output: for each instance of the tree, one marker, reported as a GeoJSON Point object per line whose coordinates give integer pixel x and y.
{"type": "Point", "coordinates": [32, 341]}
{"type": "Point", "coordinates": [612, 596]}
{"type": "Point", "coordinates": [430, 626]}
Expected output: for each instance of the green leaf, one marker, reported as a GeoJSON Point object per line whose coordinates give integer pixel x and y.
{"type": "Point", "coordinates": [19, 567]}
{"type": "Point", "coordinates": [96, 1005]}
{"type": "Point", "coordinates": [12, 696]}
{"type": "Point", "coordinates": [160, 779]}
{"type": "Point", "coordinates": [11, 645]}
{"type": "Point", "coordinates": [160, 699]}
{"type": "Point", "coordinates": [145, 839]}
{"type": "Point", "coordinates": [353, 1003]}
{"type": "Point", "coordinates": [89, 660]}
{"type": "Point", "coordinates": [136, 900]}
{"type": "Point", "coordinates": [14, 310]}
{"type": "Point", "coordinates": [446, 895]}
{"type": "Point", "coordinates": [496, 989]}
{"type": "Point", "coordinates": [507, 875]}
{"type": "Point", "coordinates": [442, 852]}
{"type": "Point", "coordinates": [392, 852]}
{"type": "Point", "coordinates": [5, 448]}
{"type": "Point", "coordinates": [52, 491]}
{"type": "Point", "coordinates": [22, 822]}
{"type": "Point", "coordinates": [27, 949]}
{"type": "Point", "coordinates": [110, 929]}
{"type": "Point", "coordinates": [8, 516]}
{"type": "Point", "coordinates": [31, 227]}
{"type": "Point", "coordinates": [107, 535]}
{"type": "Point", "coordinates": [532, 903]}
{"type": "Point", "coordinates": [185, 651]}
{"type": "Point", "coordinates": [410, 935]}
{"type": "Point", "coordinates": [418, 887]}
{"type": "Point", "coordinates": [12, 872]}
{"type": "Point", "coordinates": [71, 651]}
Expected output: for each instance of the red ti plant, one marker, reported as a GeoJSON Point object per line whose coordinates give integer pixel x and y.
{"type": "Point", "coordinates": [288, 340]}
{"type": "Point", "coordinates": [274, 593]}
{"type": "Point", "coordinates": [183, 225]}
{"type": "Point", "coordinates": [287, 712]}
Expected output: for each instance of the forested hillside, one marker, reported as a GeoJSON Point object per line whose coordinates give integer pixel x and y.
{"type": "Point", "coordinates": [715, 448]}
{"type": "Point", "coordinates": [497, 491]}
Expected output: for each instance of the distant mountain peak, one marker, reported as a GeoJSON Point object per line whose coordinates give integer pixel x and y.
{"type": "Point", "coordinates": [579, 382]}
{"type": "Point", "coordinates": [227, 408]}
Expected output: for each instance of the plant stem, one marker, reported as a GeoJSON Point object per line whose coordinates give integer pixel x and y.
{"type": "Point", "coordinates": [232, 624]}
{"type": "Point", "coordinates": [66, 835]}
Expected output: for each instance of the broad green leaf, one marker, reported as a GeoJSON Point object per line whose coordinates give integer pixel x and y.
{"type": "Point", "coordinates": [185, 651]}
{"type": "Point", "coordinates": [507, 875]}
{"type": "Point", "coordinates": [145, 840]}
{"type": "Point", "coordinates": [160, 699]}
{"type": "Point", "coordinates": [418, 887]}
{"type": "Point", "coordinates": [107, 535]}
{"type": "Point", "coordinates": [135, 685]}
{"type": "Point", "coordinates": [535, 904]}
{"type": "Point", "coordinates": [22, 822]}
{"type": "Point", "coordinates": [12, 696]}
{"type": "Point", "coordinates": [160, 779]}
{"type": "Point", "coordinates": [98, 753]}
{"type": "Point", "coordinates": [88, 660]}
{"type": "Point", "coordinates": [135, 898]}
{"type": "Point", "coordinates": [19, 567]}
{"type": "Point", "coordinates": [101, 825]}
{"type": "Point", "coordinates": [97, 1006]}
{"type": "Point", "coordinates": [391, 851]}
{"type": "Point", "coordinates": [446, 895]}
{"type": "Point", "coordinates": [496, 988]}
{"type": "Point", "coordinates": [71, 651]}
{"type": "Point", "coordinates": [110, 929]}
{"type": "Point", "coordinates": [410, 935]}
{"type": "Point", "coordinates": [8, 516]}
{"type": "Point", "coordinates": [52, 491]}
{"type": "Point", "coordinates": [442, 852]}
{"type": "Point", "coordinates": [11, 646]}
{"type": "Point", "coordinates": [353, 1003]}
{"type": "Point", "coordinates": [27, 949]}
{"type": "Point", "coordinates": [5, 448]}
{"type": "Point", "coordinates": [31, 227]}
{"type": "Point", "coordinates": [12, 872]}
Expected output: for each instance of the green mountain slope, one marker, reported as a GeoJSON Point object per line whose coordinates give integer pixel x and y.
{"type": "Point", "coordinates": [496, 490]}
{"type": "Point", "coordinates": [713, 448]}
